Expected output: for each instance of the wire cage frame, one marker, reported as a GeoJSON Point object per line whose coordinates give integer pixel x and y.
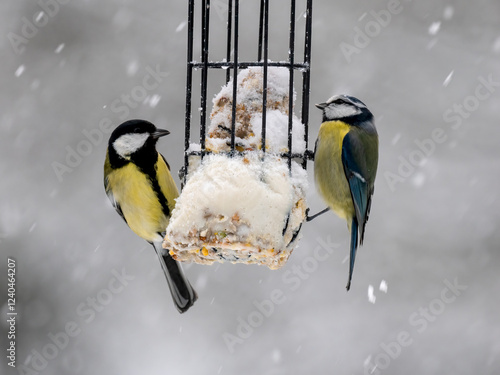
{"type": "Point", "coordinates": [232, 64]}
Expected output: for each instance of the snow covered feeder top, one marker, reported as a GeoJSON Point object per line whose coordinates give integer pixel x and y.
{"type": "Point", "coordinates": [244, 183]}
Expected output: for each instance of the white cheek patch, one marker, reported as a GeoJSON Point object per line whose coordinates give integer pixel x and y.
{"type": "Point", "coordinates": [129, 143]}
{"type": "Point", "coordinates": [340, 111]}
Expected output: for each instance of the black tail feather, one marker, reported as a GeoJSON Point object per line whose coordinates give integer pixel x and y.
{"type": "Point", "coordinates": [183, 294]}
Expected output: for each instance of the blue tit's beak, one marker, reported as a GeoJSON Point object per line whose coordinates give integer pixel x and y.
{"type": "Point", "coordinates": [160, 133]}
{"type": "Point", "coordinates": [321, 105]}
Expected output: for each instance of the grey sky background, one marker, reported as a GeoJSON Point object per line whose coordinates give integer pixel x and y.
{"type": "Point", "coordinates": [430, 75]}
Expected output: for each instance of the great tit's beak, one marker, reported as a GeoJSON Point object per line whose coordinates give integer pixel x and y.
{"type": "Point", "coordinates": [160, 133]}
{"type": "Point", "coordinates": [321, 105]}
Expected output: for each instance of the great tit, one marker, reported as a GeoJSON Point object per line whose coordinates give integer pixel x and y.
{"type": "Point", "coordinates": [139, 185]}
{"type": "Point", "coordinates": [345, 164]}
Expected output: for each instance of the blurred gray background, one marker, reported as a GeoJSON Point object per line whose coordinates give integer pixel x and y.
{"type": "Point", "coordinates": [433, 222]}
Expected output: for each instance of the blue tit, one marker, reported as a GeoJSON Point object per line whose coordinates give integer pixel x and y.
{"type": "Point", "coordinates": [345, 164]}
{"type": "Point", "coordinates": [139, 185]}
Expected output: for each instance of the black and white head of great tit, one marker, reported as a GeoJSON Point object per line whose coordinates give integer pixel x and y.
{"type": "Point", "coordinates": [345, 108]}
{"type": "Point", "coordinates": [134, 141]}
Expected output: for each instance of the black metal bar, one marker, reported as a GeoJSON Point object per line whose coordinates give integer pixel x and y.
{"type": "Point", "coordinates": [228, 47]}
{"type": "Point", "coordinates": [291, 58]}
{"type": "Point", "coordinates": [235, 74]}
{"type": "Point", "coordinates": [264, 78]}
{"type": "Point", "coordinates": [309, 155]}
{"type": "Point", "coordinates": [283, 155]}
{"type": "Point", "coordinates": [204, 73]}
{"type": "Point", "coordinates": [189, 84]}
{"type": "Point", "coordinates": [261, 21]}
{"type": "Point", "coordinates": [306, 76]}
{"type": "Point", "coordinates": [246, 64]}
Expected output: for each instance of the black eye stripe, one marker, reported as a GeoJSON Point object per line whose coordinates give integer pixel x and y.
{"type": "Point", "coordinates": [340, 101]}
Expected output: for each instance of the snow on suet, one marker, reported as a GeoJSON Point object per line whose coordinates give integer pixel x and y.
{"type": "Point", "coordinates": [249, 114]}
{"type": "Point", "coordinates": [239, 209]}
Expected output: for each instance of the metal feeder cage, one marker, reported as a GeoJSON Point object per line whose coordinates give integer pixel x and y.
{"type": "Point", "coordinates": [232, 64]}
{"type": "Point", "coordinates": [245, 202]}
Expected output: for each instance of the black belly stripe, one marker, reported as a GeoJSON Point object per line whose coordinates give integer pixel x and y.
{"type": "Point", "coordinates": [151, 171]}
{"type": "Point", "coordinates": [161, 196]}
{"type": "Point", "coordinates": [147, 160]}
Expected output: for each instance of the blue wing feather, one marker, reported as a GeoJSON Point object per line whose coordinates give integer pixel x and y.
{"type": "Point", "coordinates": [352, 152]}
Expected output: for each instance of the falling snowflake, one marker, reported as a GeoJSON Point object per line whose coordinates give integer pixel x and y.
{"type": "Point", "coordinates": [154, 100]}
{"type": "Point", "coordinates": [19, 71]}
{"type": "Point", "coordinates": [383, 286]}
{"type": "Point", "coordinates": [276, 356]}
{"type": "Point", "coordinates": [39, 17]}
{"type": "Point", "coordinates": [448, 79]}
{"type": "Point", "coordinates": [180, 27]}
{"type": "Point", "coordinates": [371, 296]}
{"type": "Point", "coordinates": [448, 12]}
{"type": "Point", "coordinates": [434, 28]}
{"type": "Point", "coordinates": [132, 68]}
{"type": "Point", "coordinates": [418, 180]}
{"type": "Point", "coordinates": [367, 361]}
{"type": "Point", "coordinates": [59, 48]}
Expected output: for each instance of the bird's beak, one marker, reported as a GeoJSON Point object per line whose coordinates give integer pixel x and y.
{"type": "Point", "coordinates": [160, 133]}
{"type": "Point", "coordinates": [321, 105]}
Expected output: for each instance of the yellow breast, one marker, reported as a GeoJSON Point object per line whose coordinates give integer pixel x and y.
{"type": "Point", "coordinates": [329, 171]}
{"type": "Point", "coordinates": [133, 191]}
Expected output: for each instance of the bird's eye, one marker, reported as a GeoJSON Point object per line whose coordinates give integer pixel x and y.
{"type": "Point", "coordinates": [137, 130]}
